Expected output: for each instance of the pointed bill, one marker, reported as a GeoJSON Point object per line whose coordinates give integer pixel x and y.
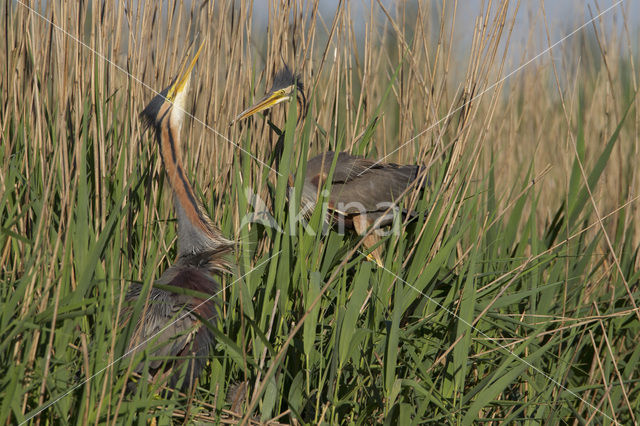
{"type": "Point", "coordinates": [183, 76]}
{"type": "Point", "coordinates": [265, 103]}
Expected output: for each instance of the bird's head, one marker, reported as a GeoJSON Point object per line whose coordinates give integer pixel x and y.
{"type": "Point", "coordinates": [285, 84]}
{"type": "Point", "coordinates": [171, 102]}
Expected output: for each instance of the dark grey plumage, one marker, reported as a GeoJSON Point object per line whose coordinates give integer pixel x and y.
{"type": "Point", "coordinates": [363, 192]}
{"type": "Point", "coordinates": [359, 186]}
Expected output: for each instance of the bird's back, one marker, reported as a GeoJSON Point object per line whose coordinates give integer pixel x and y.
{"type": "Point", "coordinates": [171, 326]}
{"type": "Point", "coordinates": [358, 185]}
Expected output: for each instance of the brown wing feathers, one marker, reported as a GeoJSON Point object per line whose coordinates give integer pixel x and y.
{"type": "Point", "coordinates": [359, 183]}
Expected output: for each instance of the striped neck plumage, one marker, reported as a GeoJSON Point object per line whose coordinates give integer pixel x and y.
{"type": "Point", "coordinates": [196, 232]}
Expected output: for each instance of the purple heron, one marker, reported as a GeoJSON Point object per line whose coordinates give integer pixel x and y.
{"type": "Point", "coordinates": [170, 326]}
{"type": "Point", "coordinates": [363, 192]}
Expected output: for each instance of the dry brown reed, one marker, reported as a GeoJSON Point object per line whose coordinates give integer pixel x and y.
{"type": "Point", "coordinates": [347, 68]}
{"type": "Point", "coordinates": [401, 64]}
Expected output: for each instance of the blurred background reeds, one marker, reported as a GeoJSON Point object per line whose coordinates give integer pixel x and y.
{"type": "Point", "coordinates": [511, 296]}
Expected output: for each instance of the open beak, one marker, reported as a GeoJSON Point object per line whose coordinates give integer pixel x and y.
{"type": "Point", "coordinates": [183, 75]}
{"type": "Point", "coordinates": [265, 103]}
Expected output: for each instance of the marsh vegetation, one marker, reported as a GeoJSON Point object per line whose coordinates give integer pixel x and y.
{"type": "Point", "coordinates": [512, 295]}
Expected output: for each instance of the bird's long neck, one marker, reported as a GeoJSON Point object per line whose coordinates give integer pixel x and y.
{"type": "Point", "coordinates": [196, 233]}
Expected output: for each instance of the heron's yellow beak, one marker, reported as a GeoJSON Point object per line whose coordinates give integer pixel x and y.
{"type": "Point", "coordinates": [183, 75]}
{"type": "Point", "coordinates": [267, 102]}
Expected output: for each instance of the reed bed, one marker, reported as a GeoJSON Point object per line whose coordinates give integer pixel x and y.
{"type": "Point", "coordinates": [511, 297]}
